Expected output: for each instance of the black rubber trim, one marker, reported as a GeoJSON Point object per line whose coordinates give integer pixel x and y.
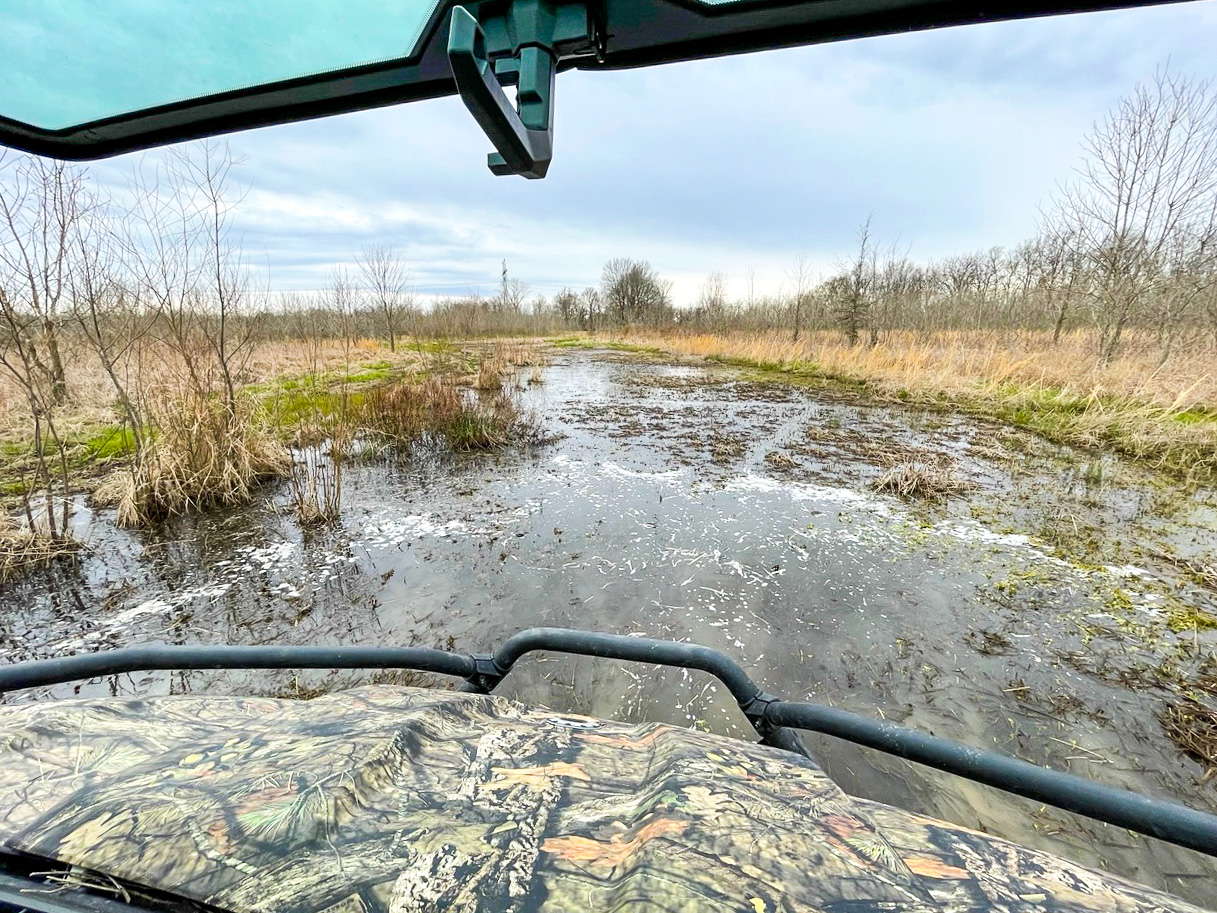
{"type": "Point", "coordinates": [1167, 821]}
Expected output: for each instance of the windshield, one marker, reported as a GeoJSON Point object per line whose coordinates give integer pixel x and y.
{"type": "Point", "coordinates": [62, 64]}
{"type": "Point", "coordinates": [884, 368]}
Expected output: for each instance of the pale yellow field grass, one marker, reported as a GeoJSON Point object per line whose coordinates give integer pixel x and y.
{"type": "Point", "coordinates": [157, 371]}
{"type": "Point", "coordinates": [962, 362]}
{"type": "Point", "coordinates": [1162, 413]}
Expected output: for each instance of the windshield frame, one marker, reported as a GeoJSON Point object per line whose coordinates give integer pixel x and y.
{"type": "Point", "coordinates": [637, 33]}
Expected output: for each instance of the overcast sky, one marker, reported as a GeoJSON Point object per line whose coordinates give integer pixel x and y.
{"type": "Point", "coordinates": [951, 139]}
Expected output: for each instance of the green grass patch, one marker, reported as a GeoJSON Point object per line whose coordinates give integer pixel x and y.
{"type": "Point", "coordinates": [292, 409]}
{"type": "Point", "coordinates": [114, 442]}
{"type": "Point", "coordinates": [374, 371]}
{"type": "Point", "coordinates": [1196, 415]}
{"type": "Point", "coordinates": [1184, 617]}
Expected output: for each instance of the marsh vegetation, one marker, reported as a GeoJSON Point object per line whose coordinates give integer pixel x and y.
{"type": "Point", "coordinates": [975, 494]}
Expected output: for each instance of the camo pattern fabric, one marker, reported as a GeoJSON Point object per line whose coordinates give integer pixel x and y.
{"type": "Point", "coordinates": [397, 800]}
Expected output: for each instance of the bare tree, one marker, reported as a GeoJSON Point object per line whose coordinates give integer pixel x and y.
{"type": "Point", "coordinates": [591, 308]}
{"type": "Point", "coordinates": [40, 205]}
{"type": "Point", "coordinates": [1058, 272]}
{"type": "Point", "coordinates": [853, 304]}
{"type": "Point", "coordinates": [898, 285]}
{"type": "Point", "coordinates": [712, 299]}
{"type": "Point", "coordinates": [105, 311]}
{"type": "Point", "coordinates": [187, 263]}
{"type": "Point", "coordinates": [203, 173]}
{"type": "Point", "coordinates": [1146, 186]}
{"type": "Point", "coordinates": [633, 292]}
{"type": "Point", "coordinates": [802, 284]}
{"type": "Point", "coordinates": [566, 303]}
{"type": "Point", "coordinates": [389, 285]}
{"type": "Point", "coordinates": [1189, 268]}
{"type": "Point", "coordinates": [513, 293]}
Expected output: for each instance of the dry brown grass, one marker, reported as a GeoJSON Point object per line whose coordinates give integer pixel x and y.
{"type": "Point", "coordinates": [525, 354]}
{"type": "Point", "coordinates": [959, 362]}
{"type": "Point", "coordinates": [926, 478]}
{"type": "Point", "coordinates": [199, 456]}
{"type": "Point", "coordinates": [316, 486]}
{"type": "Point", "coordinates": [155, 369]}
{"type": "Point", "coordinates": [22, 549]}
{"type": "Point", "coordinates": [1165, 414]}
{"type": "Point", "coordinates": [492, 371]}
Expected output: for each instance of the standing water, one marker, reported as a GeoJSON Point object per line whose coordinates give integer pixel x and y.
{"type": "Point", "coordinates": [693, 503]}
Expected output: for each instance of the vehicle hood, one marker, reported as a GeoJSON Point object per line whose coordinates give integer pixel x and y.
{"type": "Point", "coordinates": [394, 800]}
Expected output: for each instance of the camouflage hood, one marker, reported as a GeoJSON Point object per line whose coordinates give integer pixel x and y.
{"type": "Point", "coordinates": [395, 800]}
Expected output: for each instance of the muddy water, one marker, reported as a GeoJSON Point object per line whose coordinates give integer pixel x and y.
{"type": "Point", "coordinates": [1032, 613]}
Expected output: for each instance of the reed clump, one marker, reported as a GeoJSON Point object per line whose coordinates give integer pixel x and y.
{"type": "Point", "coordinates": [202, 453]}
{"type": "Point", "coordinates": [23, 549]}
{"type": "Point", "coordinates": [315, 483]}
{"type": "Point", "coordinates": [437, 409]}
{"type": "Point", "coordinates": [926, 477]}
{"type": "Point", "coordinates": [492, 372]}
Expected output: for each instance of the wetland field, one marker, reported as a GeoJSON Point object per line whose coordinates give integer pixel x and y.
{"type": "Point", "coordinates": [948, 572]}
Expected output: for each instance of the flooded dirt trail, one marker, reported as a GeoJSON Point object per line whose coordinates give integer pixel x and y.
{"type": "Point", "coordinates": [1034, 611]}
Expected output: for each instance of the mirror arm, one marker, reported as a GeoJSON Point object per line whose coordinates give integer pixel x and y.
{"type": "Point", "coordinates": [522, 47]}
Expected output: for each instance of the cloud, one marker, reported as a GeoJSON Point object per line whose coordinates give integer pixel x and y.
{"type": "Point", "coordinates": [950, 139]}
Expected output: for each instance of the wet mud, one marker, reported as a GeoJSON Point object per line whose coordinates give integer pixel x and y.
{"type": "Point", "coordinates": [1051, 604]}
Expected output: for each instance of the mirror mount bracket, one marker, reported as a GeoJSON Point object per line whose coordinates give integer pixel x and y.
{"type": "Point", "coordinates": [518, 44]}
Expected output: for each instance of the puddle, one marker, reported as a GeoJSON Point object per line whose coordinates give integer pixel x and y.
{"type": "Point", "coordinates": [1028, 614]}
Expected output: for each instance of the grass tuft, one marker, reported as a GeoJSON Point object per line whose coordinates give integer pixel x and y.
{"type": "Point", "coordinates": [926, 478]}
{"type": "Point", "coordinates": [200, 456]}
{"type": "Point", "coordinates": [405, 412]}
{"type": "Point", "coordinates": [22, 549]}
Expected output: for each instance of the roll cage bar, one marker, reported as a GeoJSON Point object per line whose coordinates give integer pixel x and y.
{"type": "Point", "coordinates": [773, 719]}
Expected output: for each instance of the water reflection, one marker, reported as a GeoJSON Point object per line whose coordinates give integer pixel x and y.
{"type": "Point", "coordinates": [664, 511]}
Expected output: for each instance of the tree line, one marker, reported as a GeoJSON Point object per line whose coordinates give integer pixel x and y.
{"type": "Point", "coordinates": [158, 277]}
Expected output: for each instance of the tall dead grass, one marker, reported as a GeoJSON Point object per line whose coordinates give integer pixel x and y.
{"type": "Point", "coordinates": [405, 412]}
{"type": "Point", "coordinates": [492, 372]}
{"type": "Point", "coordinates": [23, 549]}
{"type": "Point", "coordinates": [1165, 414]}
{"type": "Point", "coordinates": [316, 484]}
{"type": "Point", "coordinates": [198, 455]}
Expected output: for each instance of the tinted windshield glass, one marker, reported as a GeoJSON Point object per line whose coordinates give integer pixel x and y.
{"type": "Point", "coordinates": [68, 62]}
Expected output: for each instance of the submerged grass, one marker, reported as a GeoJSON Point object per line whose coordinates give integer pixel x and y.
{"type": "Point", "coordinates": [23, 549]}
{"type": "Point", "coordinates": [927, 478]}
{"type": "Point", "coordinates": [403, 413]}
{"type": "Point", "coordinates": [1192, 725]}
{"type": "Point", "coordinates": [1162, 415]}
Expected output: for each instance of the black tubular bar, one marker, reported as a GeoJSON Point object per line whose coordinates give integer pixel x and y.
{"type": "Point", "coordinates": [1167, 821]}
{"type": "Point", "coordinates": [752, 701]}
{"type": "Point", "coordinates": [772, 718]}
{"type": "Point", "coordinates": [146, 659]}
